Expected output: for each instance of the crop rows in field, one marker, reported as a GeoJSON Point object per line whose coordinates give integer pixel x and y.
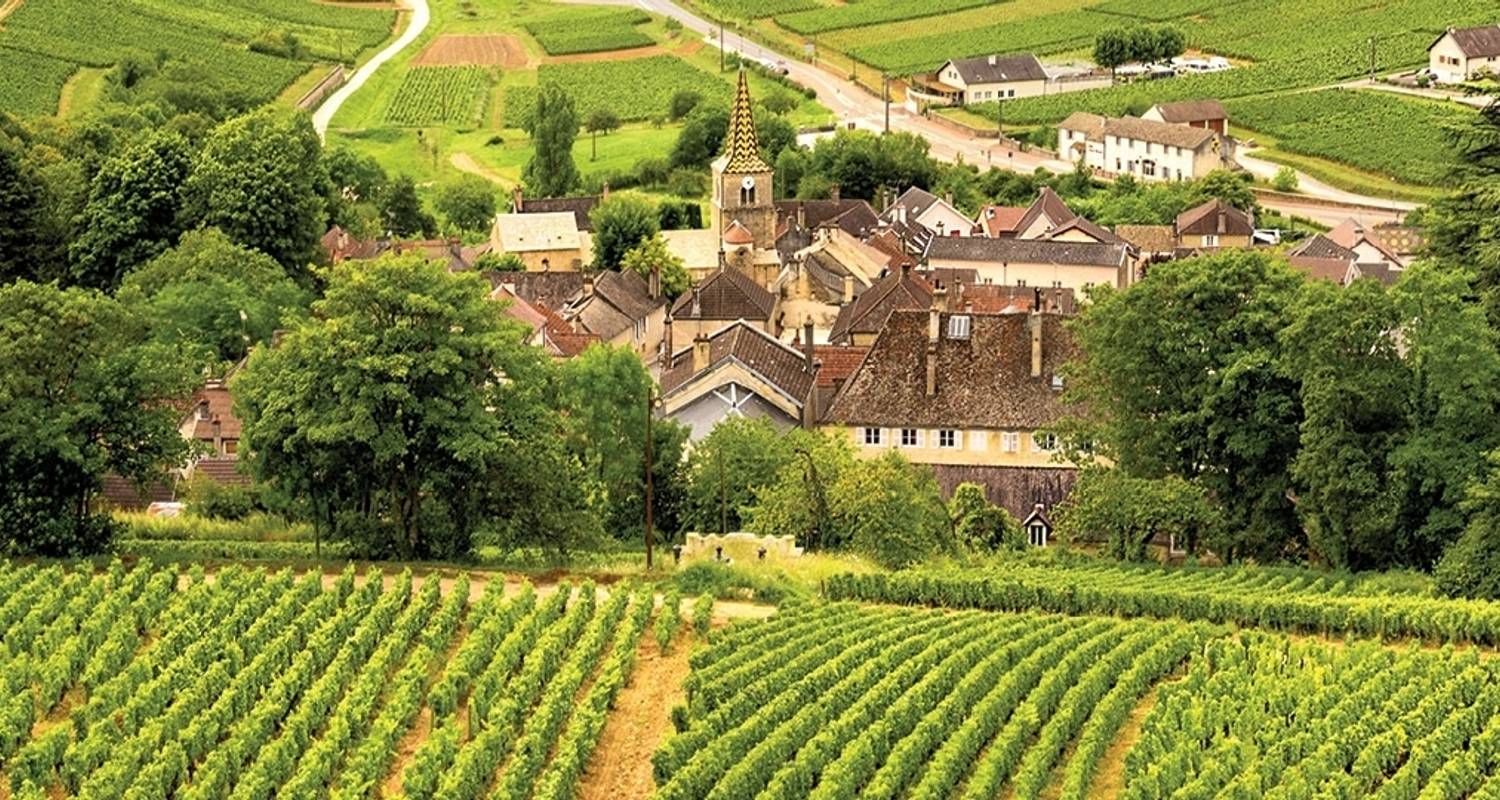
{"type": "Point", "coordinates": [31, 83]}
{"type": "Point", "coordinates": [754, 9]}
{"type": "Point", "coordinates": [252, 685]}
{"type": "Point", "coordinates": [440, 96]}
{"type": "Point", "coordinates": [634, 89]}
{"type": "Point", "coordinates": [835, 702]}
{"type": "Point", "coordinates": [834, 18]}
{"type": "Point", "coordinates": [930, 43]}
{"type": "Point", "coordinates": [589, 30]}
{"type": "Point", "coordinates": [209, 37]}
{"type": "Point", "coordinates": [1336, 125]}
{"type": "Point", "coordinates": [1293, 600]}
{"type": "Point", "coordinates": [1157, 10]}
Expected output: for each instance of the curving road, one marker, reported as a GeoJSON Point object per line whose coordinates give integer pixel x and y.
{"type": "Point", "coordinates": [421, 15]}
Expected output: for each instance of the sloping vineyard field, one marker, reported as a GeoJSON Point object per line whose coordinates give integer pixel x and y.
{"type": "Point", "coordinates": [1289, 600]}
{"type": "Point", "coordinates": [598, 84]}
{"type": "Point", "coordinates": [588, 30]}
{"type": "Point", "coordinates": [210, 37]}
{"type": "Point", "coordinates": [440, 96]}
{"type": "Point", "coordinates": [835, 702]}
{"type": "Point", "coordinates": [140, 684]}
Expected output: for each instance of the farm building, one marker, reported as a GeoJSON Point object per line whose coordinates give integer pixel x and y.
{"type": "Point", "coordinates": [1149, 150]}
{"type": "Point", "coordinates": [1206, 114]}
{"type": "Point", "coordinates": [1461, 54]}
{"type": "Point", "coordinates": [962, 81]}
{"type": "Point", "coordinates": [544, 242]}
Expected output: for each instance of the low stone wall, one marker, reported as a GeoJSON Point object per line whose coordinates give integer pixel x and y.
{"type": "Point", "coordinates": [738, 546]}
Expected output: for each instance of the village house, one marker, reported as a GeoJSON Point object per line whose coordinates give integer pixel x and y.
{"type": "Point", "coordinates": [213, 431]}
{"type": "Point", "coordinates": [728, 295]}
{"type": "Point", "coordinates": [581, 207]}
{"type": "Point", "coordinates": [1146, 149]}
{"type": "Point", "coordinates": [861, 321]}
{"type": "Point", "coordinates": [1042, 263]}
{"type": "Point", "coordinates": [1212, 226]}
{"type": "Point", "coordinates": [544, 242]}
{"type": "Point", "coordinates": [1463, 54]}
{"type": "Point", "coordinates": [622, 309]}
{"type": "Point", "coordinates": [934, 214]}
{"type": "Point", "coordinates": [825, 277]}
{"type": "Point", "coordinates": [963, 81]}
{"type": "Point", "coordinates": [1206, 114]}
{"type": "Point", "coordinates": [1346, 254]}
{"type": "Point", "coordinates": [972, 395]}
{"type": "Point", "coordinates": [738, 370]}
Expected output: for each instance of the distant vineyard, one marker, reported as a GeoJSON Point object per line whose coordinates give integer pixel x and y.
{"type": "Point", "coordinates": [1285, 600]}
{"type": "Point", "coordinates": [589, 30]}
{"type": "Point", "coordinates": [868, 13]}
{"type": "Point", "coordinates": [255, 685]}
{"type": "Point", "coordinates": [755, 9]}
{"type": "Point", "coordinates": [440, 96]}
{"type": "Point", "coordinates": [1336, 124]}
{"type": "Point", "coordinates": [636, 89]}
{"type": "Point", "coordinates": [836, 702]}
{"type": "Point", "coordinates": [212, 37]}
{"type": "Point", "coordinates": [31, 83]}
{"type": "Point", "coordinates": [928, 45]}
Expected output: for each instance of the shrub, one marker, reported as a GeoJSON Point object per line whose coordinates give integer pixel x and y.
{"type": "Point", "coordinates": [703, 614]}
{"type": "Point", "coordinates": [727, 582]}
{"type": "Point", "coordinates": [1285, 180]}
{"type": "Point", "coordinates": [682, 103]}
{"type": "Point", "coordinates": [213, 500]}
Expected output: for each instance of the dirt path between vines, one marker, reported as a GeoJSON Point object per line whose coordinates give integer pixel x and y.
{"type": "Point", "coordinates": [1109, 780]}
{"type": "Point", "coordinates": [620, 768]}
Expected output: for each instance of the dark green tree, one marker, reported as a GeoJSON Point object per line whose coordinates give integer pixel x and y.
{"type": "Point", "coordinates": [981, 525]}
{"type": "Point", "coordinates": [133, 211]}
{"type": "Point", "coordinates": [1180, 375]}
{"type": "Point", "coordinates": [739, 457]}
{"type": "Point", "coordinates": [1471, 566]}
{"type": "Point", "coordinates": [1124, 515]}
{"type": "Point", "coordinates": [468, 204]}
{"type": "Point", "coordinates": [600, 120]}
{"type": "Point", "coordinates": [382, 412]}
{"type": "Point", "coordinates": [28, 241]}
{"type": "Point", "coordinates": [1463, 228]}
{"type": "Point", "coordinates": [260, 179]}
{"type": "Point", "coordinates": [84, 392]}
{"type": "Point", "coordinates": [213, 296]}
{"type": "Point", "coordinates": [1112, 49]}
{"type": "Point", "coordinates": [403, 211]}
{"type": "Point", "coordinates": [621, 222]}
{"type": "Point", "coordinates": [553, 127]}
{"type": "Point", "coordinates": [701, 139]}
{"type": "Point", "coordinates": [894, 511]}
{"type": "Point", "coordinates": [1231, 187]}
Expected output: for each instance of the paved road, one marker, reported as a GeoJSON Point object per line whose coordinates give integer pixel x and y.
{"type": "Point", "coordinates": [420, 16]}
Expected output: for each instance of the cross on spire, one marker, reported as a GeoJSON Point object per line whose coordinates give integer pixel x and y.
{"type": "Point", "coordinates": [742, 146]}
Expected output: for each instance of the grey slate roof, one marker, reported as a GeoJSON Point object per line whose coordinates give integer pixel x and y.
{"type": "Point", "coordinates": [1480, 42]}
{"type": "Point", "coordinates": [1024, 251]}
{"type": "Point", "coordinates": [999, 69]}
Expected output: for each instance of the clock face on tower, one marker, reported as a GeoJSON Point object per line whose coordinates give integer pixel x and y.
{"type": "Point", "coordinates": [748, 182]}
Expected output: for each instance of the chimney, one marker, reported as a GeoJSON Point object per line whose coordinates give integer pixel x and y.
{"type": "Point", "coordinates": [833, 193]}
{"type": "Point", "coordinates": [653, 284]}
{"type": "Point", "coordinates": [848, 288]}
{"type": "Point", "coordinates": [588, 284]}
{"type": "Point", "coordinates": [700, 352]}
{"type": "Point", "coordinates": [810, 408]}
{"type": "Point", "coordinates": [804, 281]}
{"type": "Point", "coordinates": [901, 213]}
{"type": "Point", "coordinates": [807, 344]}
{"type": "Point", "coordinates": [939, 299]}
{"type": "Point", "coordinates": [801, 216]}
{"type": "Point", "coordinates": [666, 338]}
{"type": "Point", "coordinates": [948, 198]}
{"type": "Point", "coordinates": [1034, 323]}
{"type": "Point", "coordinates": [697, 305]}
{"type": "Point", "coordinates": [517, 201]}
{"type": "Point", "coordinates": [218, 438]}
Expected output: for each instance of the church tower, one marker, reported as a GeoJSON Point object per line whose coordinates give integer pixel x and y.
{"type": "Point", "coordinates": [742, 179]}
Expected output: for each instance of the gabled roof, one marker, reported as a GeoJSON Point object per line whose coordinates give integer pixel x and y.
{"type": "Point", "coordinates": [1097, 232]}
{"type": "Point", "coordinates": [900, 290]}
{"type": "Point", "coordinates": [999, 68]}
{"type": "Point", "coordinates": [527, 233]}
{"type": "Point", "coordinates": [1321, 257]}
{"type": "Point", "coordinates": [1023, 251]}
{"type": "Point", "coordinates": [1215, 217]}
{"type": "Point", "coordinates": [1351, 233]}
{"type": "Point", "coordinates": [1320, 246]}
{"type": "Point", "coordinates": [728, 294]}
{"type": "Point", "coordinates": [1385, 273]}
{"type": "Point", "coordinates": [996, 221]}
{"type": "Point", "coordinates": [1046, 205]}
{"type": "Point", "coordinates": [1480, 42]}
{"type": "Point", "coordinates": [620, 300]}
{"type": "Point", "coordinates": [555, 289]}
{"type": "Point", "coordinates": [214, 397]}
{"type": "Point", "coordinates": [579, 207]}
{"type": "Point", "coordinates": [757, 351]}
{"type": "Point", "coordinates": [1189, 111]}
{"type": "Point", "coordinates": [741, 145]}
{"type": "Point", "coordinates": [995, 298]}
{"type": "Point", "coordinates": [854, 217]}
{"type": "Point", "coordinates": [559, 337]}
{"type": "Point", "coordinates": [738, 234]}
{"type": "Point", "coordinates": [983, 381]}
{"type": "Point", "coordinates": [916, 202]}
{"type": "Point", "coordinates": [1096, 127]}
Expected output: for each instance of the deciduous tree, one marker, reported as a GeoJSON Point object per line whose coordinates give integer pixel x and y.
{"type": "Point", "coordinates": [552, 127]}
{"type": "Point", "coordinates": [133, 211]}
{"type": "Point", "coordinates": [652, 255]}
{"type": "Point", "coordinates": [621, 222]}
{"type": "Point", "coordinates": [468, 203]}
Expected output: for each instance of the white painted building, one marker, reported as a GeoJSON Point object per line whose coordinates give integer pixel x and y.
{"type": "Point", "coordinates": [1461, 54]}
{"type": "Point", "coordinates": [1149, 150]}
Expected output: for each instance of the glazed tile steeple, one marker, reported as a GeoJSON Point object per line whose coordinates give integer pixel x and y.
{"type": "Point", "coordinates": [741, 146]}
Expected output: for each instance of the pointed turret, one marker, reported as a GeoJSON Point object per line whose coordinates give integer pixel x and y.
{"type": "Point", "coordinates": [741, 146]}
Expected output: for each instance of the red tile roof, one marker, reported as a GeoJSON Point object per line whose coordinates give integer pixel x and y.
{"type": "Point", "coordinates": [213, 403]}
{"type": "Point", "coordinates": [901, 289]}
{"type": "Point", "coordinates": [996, 221]}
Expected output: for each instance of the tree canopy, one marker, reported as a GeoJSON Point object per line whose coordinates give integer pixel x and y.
{"type": "Point", "coordinates": [621, 223]}
{"type": "Point", "coordinates": [551, 171]}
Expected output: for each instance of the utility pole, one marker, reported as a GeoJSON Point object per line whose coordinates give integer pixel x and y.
{"type": "Point", "coordinates": [885, 97]}
{"type": "Point", "coordinates": [650, 538]}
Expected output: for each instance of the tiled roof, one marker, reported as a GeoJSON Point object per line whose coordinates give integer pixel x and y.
{"type": "Point", "coordinates": [120, 493]}
{"type": "Point", "coordinates": [1021, 251]}
{"type": "Point", "coordinates": [983, 381]}
{"type": "Point", "coordinates": [560, 338]}
{"type": "Point", "coordinates": [1328, 269]}
{"type": "Point", "coordinates": [620, 300]}
{"type": "Point", "coordinates": [1321, 246]}
{"type": "Point", "coordinates": [519, 310]}
{"type": "Point", "coordinates": [741, 145]}
{"type": "Point", "coordinates": [1049, 206]}
{"type": "Point", "coordinates": [1096, 127]}
{"type": "Point", "coordinates": [1351, 233]}
{"type": "Point", "coordinates": [1149, 238]}
{"type": "Point", "coordinates": [854, 217]}
{"type": "Point", "coordinates": [579, 207]}
{"type": "Point", "coordinates": [728, 294]}
{"type": "Point", "coordinates": [738, 234]}
{"type": "Point", "coordinates": [1098, 233]}
{"type": "Point", "coordinates": [448, 252]}
{"type": "Point", "coordinates": [999, 69]}
{"type": "Point", "coordinates": [1478, 42]}
{"type": "Point", "coordinates": [1215, 217]}
{"type": "Point", "coordinates": [999, 221]}
{"type": "Point", "coordinates": [220, 408]}
{"type": "Point", "coordinates": [224, 471]}
{"type": "Point", "coordinates": [1188, 111]}
{"type": "Point", "coordinates": [528, 233]}
{"type": "Point", "coordinates": [869, 312]}
{"type": "Point", "coordinates": [554, 289]}
{"type": "Point", "coordinates": [1384, 273]}
{"type": "Point", "coordinates": [916, 202]}
{"type": "Point", "coordinates": [837, 362]}
{"type": "Point", "coordinates": [994, 298]}
{"type": "Point", "coordinates": [776, 363]}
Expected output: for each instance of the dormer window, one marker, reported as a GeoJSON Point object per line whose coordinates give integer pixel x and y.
{"type": "Point", "coordinates": [203, 413]}
{"type": "Point", "coordinates": [958, 326]}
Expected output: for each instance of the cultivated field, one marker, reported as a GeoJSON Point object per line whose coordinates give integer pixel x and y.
{"type": "Point", "coordinates": [249, 685]}
{"type": "Point", "coordinates": [652, 81]}
{"type": "Point", "coordinates": [42, 42]}
{"type": "Point", "coordinates": [440, 96]}
{"type": "Point", "coordinates": [458, 50]}
{"type": "Point", "coordinates": [842, 702]}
